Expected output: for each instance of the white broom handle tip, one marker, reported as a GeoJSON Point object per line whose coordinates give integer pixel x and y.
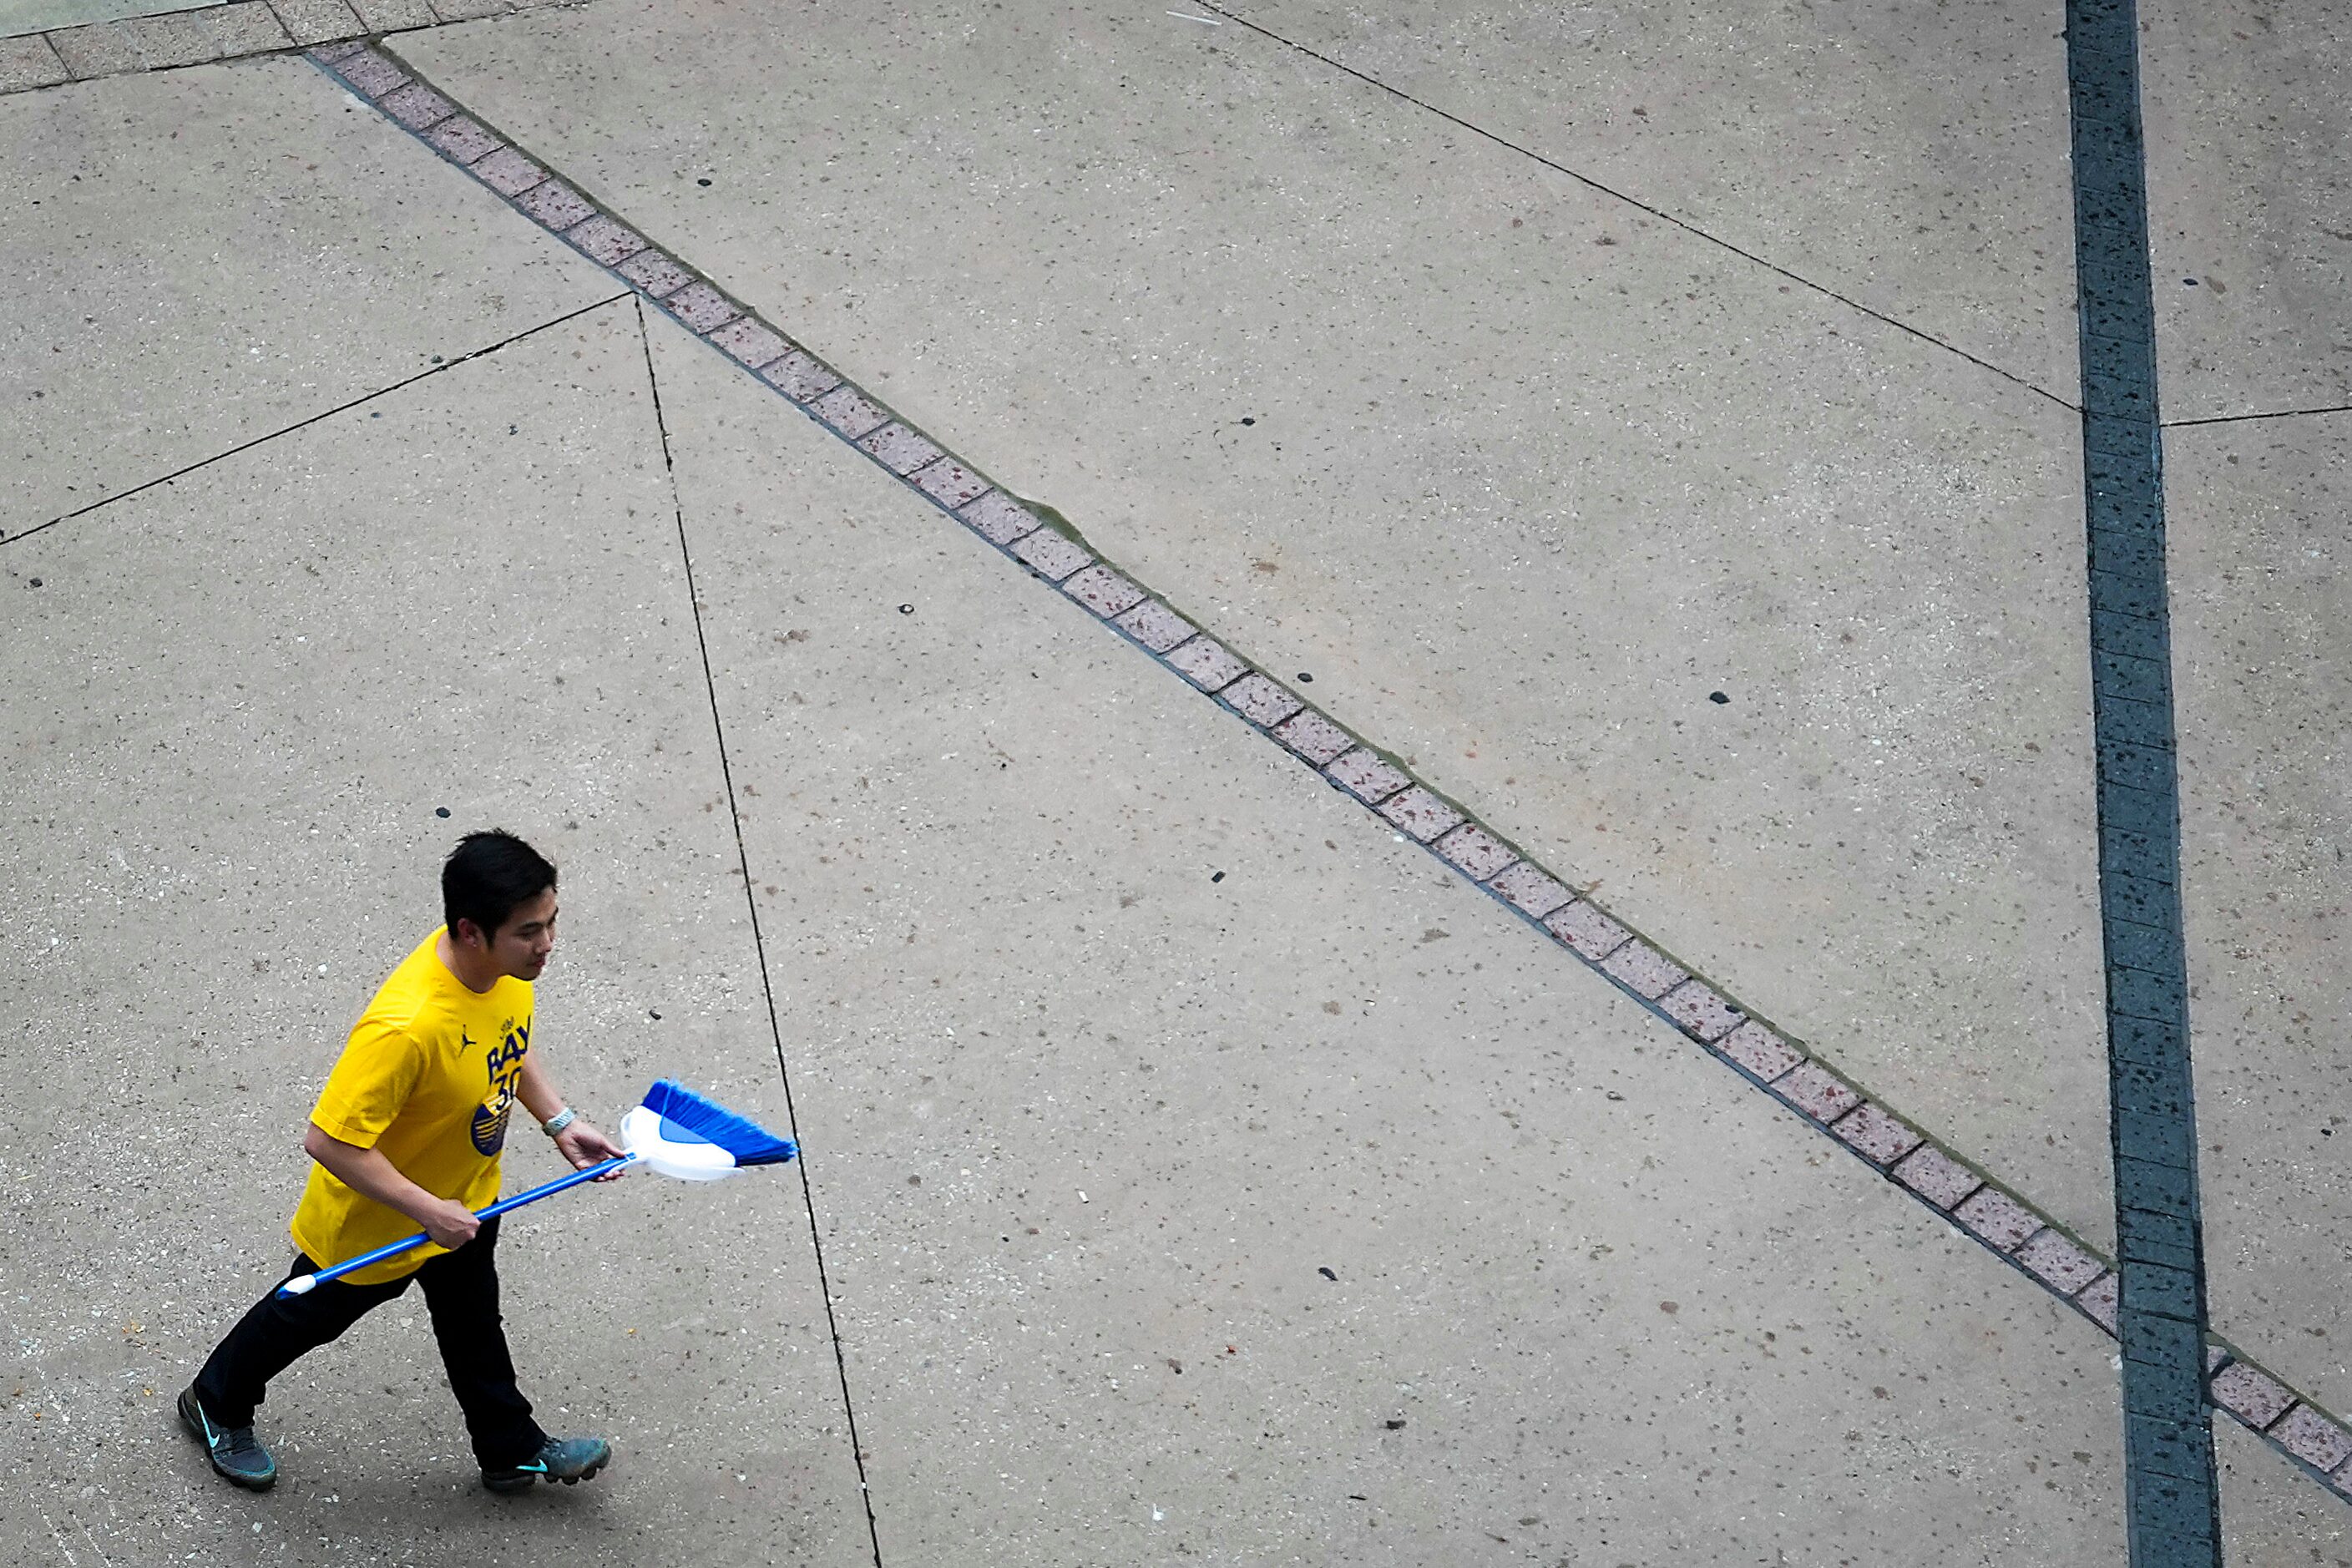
{"type": "Point", "coordinates": [301, 1286]}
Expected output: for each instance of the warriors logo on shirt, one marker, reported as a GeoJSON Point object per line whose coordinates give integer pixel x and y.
{"type": "Point", "coordinates": [504, 1063]}
{"type": "Point", "coordinates": [490, 1121]}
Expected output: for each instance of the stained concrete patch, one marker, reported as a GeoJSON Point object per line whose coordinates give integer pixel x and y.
{"type": "Point", "coordinates": [1519, 498]}
{"type": "Point", "coordinates": [239, 705]}
{"type": "Point", "coordinates": [199, 257]}
{"type": "Point", "coordinates": [2261, 588]}
{"type": "Point", "coordinates": [1313, 1210]}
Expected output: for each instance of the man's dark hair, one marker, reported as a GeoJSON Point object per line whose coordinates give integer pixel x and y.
{"type": "Point", "coordinates": [488, 876]}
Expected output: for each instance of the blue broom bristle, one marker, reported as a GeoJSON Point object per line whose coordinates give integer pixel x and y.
{"type": "Point", "coordinates": [747, 1142]}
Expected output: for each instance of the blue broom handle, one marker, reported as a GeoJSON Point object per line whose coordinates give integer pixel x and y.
{"type": "Point", "coordinates": [303, 1285]}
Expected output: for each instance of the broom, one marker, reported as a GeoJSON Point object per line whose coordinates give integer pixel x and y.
{"type": "Point", "coordinates": [675, 1131]}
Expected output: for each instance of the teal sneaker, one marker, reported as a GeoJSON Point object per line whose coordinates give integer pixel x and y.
{"type": "Point", "coordinates": [236, 1453]}
{"type": "Point", "coordinates": [567, 1459]}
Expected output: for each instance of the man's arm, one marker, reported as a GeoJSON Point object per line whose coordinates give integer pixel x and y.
{"type": "Point", "coordinates": [580, 1143]}
{"type": "Point", "coordinates": [368, 1173]}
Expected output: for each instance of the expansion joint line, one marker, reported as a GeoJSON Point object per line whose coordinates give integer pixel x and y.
{"type": "Point", "coordinates": [1659, 213]}
{"type": "Point", "coordinates": [1044, 544]}
{"type": "Point", "coordinates": [304, 423]}
{"type": "Point", "coordinates": [759, 939]}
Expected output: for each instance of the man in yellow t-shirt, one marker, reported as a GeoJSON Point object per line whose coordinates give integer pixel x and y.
{"type": "Point", "coordinates": [406, 1136]}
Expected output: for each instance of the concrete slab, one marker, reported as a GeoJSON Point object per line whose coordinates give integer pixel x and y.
{"type": "Point", "coordinates": [1914, 161]}
{"type": "Point", "coordinates": [198, 259]}
{"type": "Point", "coordinates": [239, 707]}
{"type": "Point", "coordinates": [2262, 586]}
{"type": "Point", "coordinates": [2249, 218]}
{"type": "Point", "coordinates": [1519, 498]}
{"type": "Point", "coordinates": [19, 17]}
{"type": "Point", "coordinates": [2270, 1512]}
{"type": "Point", "coordinates": [1122, 1032]}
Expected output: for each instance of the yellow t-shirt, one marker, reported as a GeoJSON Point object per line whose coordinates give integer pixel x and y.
{"type": "Point", "coordinates": [428, 1077]}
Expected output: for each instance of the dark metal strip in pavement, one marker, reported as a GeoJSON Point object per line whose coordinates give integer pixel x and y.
{"type": "Point", "coordinates": [1044, 544]}
{"type": "Point", "coordinates": [2172, 1501]}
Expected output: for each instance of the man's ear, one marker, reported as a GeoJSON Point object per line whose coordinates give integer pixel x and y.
{"type": "Point", "coordinates": [467, 933]}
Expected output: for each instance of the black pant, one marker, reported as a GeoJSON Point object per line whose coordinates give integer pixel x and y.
{"type": "Point", "coordinates": [461, 1291]}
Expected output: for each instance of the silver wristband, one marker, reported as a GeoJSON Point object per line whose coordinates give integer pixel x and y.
{"type": "Point", "coordinates": [559, 1121]}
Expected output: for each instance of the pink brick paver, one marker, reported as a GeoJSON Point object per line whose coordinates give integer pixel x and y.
{"type": "Point", "coordinates": [1314, 737]}
{"type": "Point", "coordinates": [1206, 664]}
{"type": "Point", "coordinates": [607, 239]}
{"type": "Point", "coordinates": [1530, 889]}
{"type": "Point", "coordinates": [947, 481]}
{"type": "Point", "coordinates": [894, 447]}
{"type": "Point", "coordinates": [417, 106]}
{"type": "Point", "coordinates": [2249, 1395]}
{"type": "Point", "coordinates": [508, 172]}
{"type": "Point", "coordinates": [2065, 1266]}
{"type": "Point", "coordinates": [2312, 1438]}
{"type": "Point", "coordinates": [2000, 1219]}
{"type": "Point", "coordinates": [1817, 1092]}
{"type": "Point", "coordinates": [703, 308]}
{"type": "Point", "coordinates": [1591, 935]}
{"type": "Point", "coordinates": [749, 342]}
{"type": "Point", "coordinates": [556, 205]}
{"type": "Point", "coordinates": [1155, 625]}
{"type": "Point", "coordinates": [998, 518]}
{"type": "Point", "coordinates": [464, 140]}
{"type": "Point", "coordinates": [1260, 700]}
{"type": "Point", "coordinates": [1363, 775]}
{"type": "Point", "coordinates": [1421, 814]}
{"type": "Point", "coordinates": [1479, 853]}
{"type": "Point", "coordinates": [1877, 1133]}
{"type": "Point", "coordinates": [1644, 970]}
{"type": "Point", "coordinates": [1937, 1177]}
{"type": "Point", "coordinates": [2099, 1299]}
{"type": "Point", "coordinates": [1760, 1050]}
{"type": "Point", "coordinates": [801, 375]}
{"type": "Point", "coordinates": [655, 273]}
{"type": "Point", "coordinates": [845, 408]}
{"type": "Point", "coordinates": [1698, 1007]}
{"type": "Point", "coordinates": [1049, 555]}
{"type": "Point", "coordinates": [1103, 591]}
{"type": "Point", "coordinates": [373, 74]}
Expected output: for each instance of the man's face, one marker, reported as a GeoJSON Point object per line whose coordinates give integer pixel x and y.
{"type": "Point", "coordinates": [522, 944]}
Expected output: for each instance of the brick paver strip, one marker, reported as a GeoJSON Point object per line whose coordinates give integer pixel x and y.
{"type": "Point", "coordinates": [461, 140]}
{"type": "Point", "coordinates": [1260, 700]}
{"type": "Point", "coordinates": [1883, 1138]}
{"type": "Point", "coordinates": [2252, 1396]}
{"type": "Point", "coordinates": [749, 342]}
{"type": "Point", "coordinates": [1363, 774]}
{"type": "Point", "coordinates": [1478, 852]}
{"type": "Point", "coordinates": [1526, 887]}
{"type": "Point", "coordinates": [1695, 1006]}
{"type": "Point", "coordinates": [2058, 1262]}
{"type": "Point", "coordinates": [1937, 1177]}
{"type": "Point", "coordinates": [1103, 591]}
{"type": "Point", "coordinates": [801, 375]}
{"type": "Point", "coordinates": [2000, 1219]}
{"type": "Point", "coordinates": [1817, 1092]}
{"type": "Point", "coordinates": [2312, 1437]}
{"type": "Point", "coordinates": [947, 481]}
{"type": "Point", "coordinates": [1421, 812]}
{"type": "Point", "coordinates": [2008, 1226]}
{"type": "Point", "coordinates": [1314, 737]}
{"type": "Point", "coordinates": [900, 450]}
{"type": "Point", "coordinates": [1050, 555]}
